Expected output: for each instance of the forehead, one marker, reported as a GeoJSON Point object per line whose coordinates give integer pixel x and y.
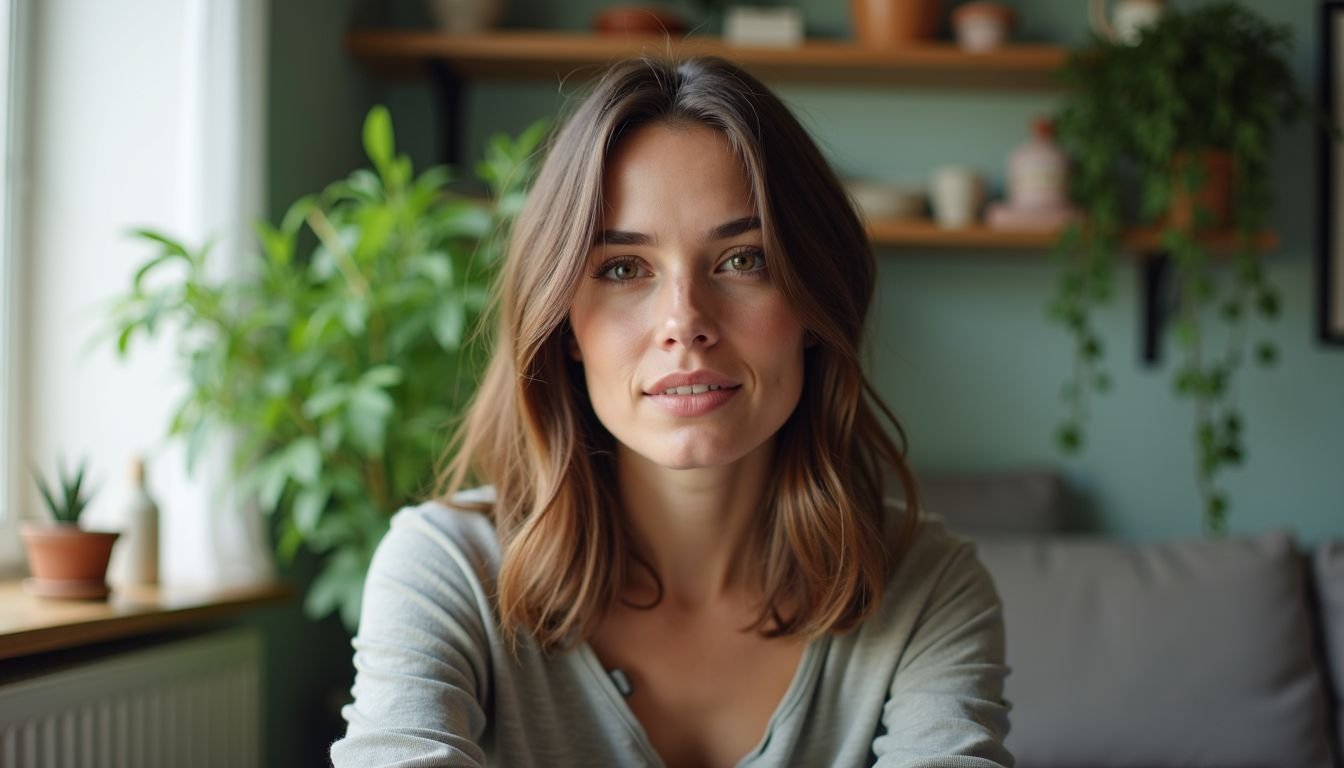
{"type": "Point", "coordinates": [675, 170]}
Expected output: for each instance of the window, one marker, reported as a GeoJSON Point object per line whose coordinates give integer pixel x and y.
{"type": "Point", "coordinates": [13, 174]}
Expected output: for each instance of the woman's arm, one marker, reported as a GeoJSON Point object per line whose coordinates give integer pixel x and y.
{"type": "Point", "coordinates": [945, 707]}
{"type": "Point", "coordinates": [420, 660]}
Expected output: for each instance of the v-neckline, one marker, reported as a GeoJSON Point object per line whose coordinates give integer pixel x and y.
{"type": "Point", "coordinates": [802, 680]}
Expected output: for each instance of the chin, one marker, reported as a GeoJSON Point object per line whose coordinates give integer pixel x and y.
{"type": "Point", "coordinates": [698, 454]}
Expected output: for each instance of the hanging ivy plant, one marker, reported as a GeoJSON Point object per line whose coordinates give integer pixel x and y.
{"type": "Point", "coordinates": [1142, 122]}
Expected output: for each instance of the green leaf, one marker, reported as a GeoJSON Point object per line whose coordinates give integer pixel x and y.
{"type": "Point", "coordinates": [378, 140]}
{"type": "Point", "coordinates": [1069, 438]}
{"type": "Point", "coordinates": [436, 267]}
{"type": "Point", "coordinates": [304, 460]}
{"type": "Point", "coordinates": [171, 247]}
{"type": "Point", "coordinates": [271, 478]}
{"type": "Point", "coordinates": [354, 316]}
{"type": "Point", "coordinates": [291, 539]}
{"type": "Point", "coordinates": [376, 227]}
{"type": "Point", "coordinates": [449, 322]}
{"type": "Point", "coordinates": [340, 575]}
{"type": "Point", "coordinates": [383, 376]}
{"type": "Point", "coordinates": [1266, 353]}
{"type": "Point", "coordinates": [309, 505]}
{"type": "Point", "coordinates": [297, 214]}
{"type": "Point", "coordinates": [366, 416]}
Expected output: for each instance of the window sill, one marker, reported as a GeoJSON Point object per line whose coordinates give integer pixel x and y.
{"type": "Point", "coordinates": [31, 625]}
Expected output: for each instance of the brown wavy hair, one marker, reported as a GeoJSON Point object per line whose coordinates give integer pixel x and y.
{"type": "Point", "coordinates": [828, 544]}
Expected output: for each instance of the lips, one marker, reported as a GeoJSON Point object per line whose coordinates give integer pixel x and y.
{"type": "Point", "coordinates": [696, 379]}
{"type": "Point", "coordinates": [692, 393]}
{"type": "Point", "coordinates": [697, 404]}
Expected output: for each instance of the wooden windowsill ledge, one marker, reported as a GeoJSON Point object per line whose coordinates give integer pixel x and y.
{"type": "Point", "coordinates": [30, 625]}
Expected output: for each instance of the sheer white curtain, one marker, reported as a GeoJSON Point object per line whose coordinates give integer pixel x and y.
{"type": "Point", "coordinates": [144, 113]}
{"type": "Point", "coordinates": [13, 76]}
{"type": "Point", "coordinates": [222, 173]}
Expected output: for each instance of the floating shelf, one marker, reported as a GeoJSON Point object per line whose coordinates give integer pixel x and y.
{"type": "Point", "coordinates": [538, 54]}
{"type": "Point", "coordinates": [449, 60]}
{"type": "Point", "coordinates": [898, 233]}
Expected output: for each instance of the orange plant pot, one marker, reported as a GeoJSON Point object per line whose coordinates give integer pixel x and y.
{"type": "Point", "coordinates": [64, 553]}
{"type": "Point", "coordinates": [895, 23]}
{"type": "Point", "coordinates": [1214, 196]}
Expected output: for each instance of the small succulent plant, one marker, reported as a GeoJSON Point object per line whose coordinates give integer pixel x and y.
{"type": "Point", "coordinates": [73, 498]}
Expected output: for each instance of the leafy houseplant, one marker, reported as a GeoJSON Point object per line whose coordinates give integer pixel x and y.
{"type": "Point", "coordinates": [334, 369]}
{"type": "Point", "coordinates": [1199, 91]}
{"type": "Point", "coordinates": [66, 560]}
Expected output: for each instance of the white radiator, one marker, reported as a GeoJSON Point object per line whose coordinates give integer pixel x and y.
{"type": "Point", "coordinates": [185, 704]}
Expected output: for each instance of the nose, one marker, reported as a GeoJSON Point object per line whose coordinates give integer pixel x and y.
{"type": "Point", "coordinates": [688, 316]}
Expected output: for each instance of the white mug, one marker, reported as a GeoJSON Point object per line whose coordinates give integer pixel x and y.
{"type": "Point", "coordinates": [956, 193]}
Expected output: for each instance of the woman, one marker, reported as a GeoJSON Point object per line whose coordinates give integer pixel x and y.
{"type": "Point", "coordinates": [685, 558]}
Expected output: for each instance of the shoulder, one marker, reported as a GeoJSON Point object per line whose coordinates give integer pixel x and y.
{"type": "Point", "coordinates": [435, 537]}
{"type": "Point", "coordinates": [937, 566]}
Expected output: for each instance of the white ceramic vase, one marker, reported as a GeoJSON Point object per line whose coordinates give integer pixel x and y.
{"type": "Point", "coordinates": [465, 17]}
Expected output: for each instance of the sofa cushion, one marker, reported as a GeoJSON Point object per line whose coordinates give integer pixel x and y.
{"type": "Point", "coordinates": [1328, 566]}
{"type": "Point", "coordinates": [1009, 501]}
{"type": "Point", "coordinates": [1190, 653]}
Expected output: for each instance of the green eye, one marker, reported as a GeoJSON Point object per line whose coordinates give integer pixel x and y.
{"type": "Point", "coordinates": [618, 271]}
{"type": "Point", "coordinates": [746, 261]}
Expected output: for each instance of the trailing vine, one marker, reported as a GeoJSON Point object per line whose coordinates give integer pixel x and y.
{"type": "Point", "coordinates": [1139, 121]}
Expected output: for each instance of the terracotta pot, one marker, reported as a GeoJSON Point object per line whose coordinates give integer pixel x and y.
{"type": "Point", "coordinates": [895, 23]}
{"type": "Point", "coordinates": [636, 20]}
{"type": "Point", "coordinates": [1214, 196]}
{"type": "Point", "coordinates": [64, 552]}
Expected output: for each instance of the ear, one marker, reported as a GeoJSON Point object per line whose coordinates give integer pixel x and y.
{"type": "Point", "coordinates": [810, 339]}
{"type": "Point", "coordinates": [572, 344]}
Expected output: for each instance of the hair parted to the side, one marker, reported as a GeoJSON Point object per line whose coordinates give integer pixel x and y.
{"type": "Point", "coordinates": [829, 545]}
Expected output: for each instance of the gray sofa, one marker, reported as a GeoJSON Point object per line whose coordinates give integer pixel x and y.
{"type": "Point", "coordinates": [1198, 652]}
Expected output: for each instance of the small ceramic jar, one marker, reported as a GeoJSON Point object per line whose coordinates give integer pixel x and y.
{"type": "Point", "coordinates": [982, 26]}
{"type": "Point", "coordinates": [956, 194]}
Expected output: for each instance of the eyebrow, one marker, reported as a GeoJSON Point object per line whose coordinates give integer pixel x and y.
{"type": "Point", "coordinates": [721, 232]}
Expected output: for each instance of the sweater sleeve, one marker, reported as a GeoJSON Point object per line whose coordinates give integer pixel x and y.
{"type": "Point", "coordinates": [945, 707]}
{"type": "Point", "coordinates": [421, 664]}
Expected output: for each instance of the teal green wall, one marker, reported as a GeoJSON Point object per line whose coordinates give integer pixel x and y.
{"type": "Point", "coordinates": [960, 345]}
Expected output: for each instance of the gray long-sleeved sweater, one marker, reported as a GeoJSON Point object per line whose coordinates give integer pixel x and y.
{"type": "Point", "coordinates": [919, 684]}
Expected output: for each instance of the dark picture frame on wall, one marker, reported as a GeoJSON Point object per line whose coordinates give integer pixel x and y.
{"type": "Point", "coordinates": [1330, 272]}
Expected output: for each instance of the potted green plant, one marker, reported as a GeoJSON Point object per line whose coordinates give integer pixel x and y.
{"type": "Point", "coordinates": [66, 560]}
{"type": "Point", "coordinates": [1185, 117]}
{"type": "Point", "coordinates": [336, 364]}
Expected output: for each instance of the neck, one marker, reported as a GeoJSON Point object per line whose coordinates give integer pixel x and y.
{"type": "Point", "coordinates": [697, 527]}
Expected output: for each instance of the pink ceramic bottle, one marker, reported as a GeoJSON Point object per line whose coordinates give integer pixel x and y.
{"type": "Point", "coordinates": [1038, 171]}
{"type": "Point", "coordinates": [1038, 184]}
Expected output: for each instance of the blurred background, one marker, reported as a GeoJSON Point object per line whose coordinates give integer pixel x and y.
{"type": "Point", "coordinates": [196, 117]}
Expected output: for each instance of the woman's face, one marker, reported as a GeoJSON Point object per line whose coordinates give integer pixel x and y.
{"type": "Point", "coordinates": [691, 356]}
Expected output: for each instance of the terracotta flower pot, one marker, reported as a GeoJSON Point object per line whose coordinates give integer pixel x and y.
{"type": "Point", "coordinates": [67, 561]}
{"type": "Point", "coordinates": [1214, 195]}
{"type": "Point", "coordinates": [637, 20]}
{"type": "Point", "coordinates": [895, 23]}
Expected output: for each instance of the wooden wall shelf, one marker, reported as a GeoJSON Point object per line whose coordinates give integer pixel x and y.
{"type": "Point", "coordinates": [449, 60]}
{"type": "Point", "coordinates": [538, 54]}
{"type": "Point", "coordinates": [900, 233]}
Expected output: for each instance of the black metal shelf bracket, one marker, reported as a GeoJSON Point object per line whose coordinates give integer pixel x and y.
{"type": "Point", "coordinates": [1159, 303]}
{"type": "Point", "coordinates": [447, 87]}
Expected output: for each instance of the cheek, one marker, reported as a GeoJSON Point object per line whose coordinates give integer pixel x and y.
{"type": "Point", "coordinates": [772, 329]}
{"type": "Point", "coordinates": [603, 339]}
